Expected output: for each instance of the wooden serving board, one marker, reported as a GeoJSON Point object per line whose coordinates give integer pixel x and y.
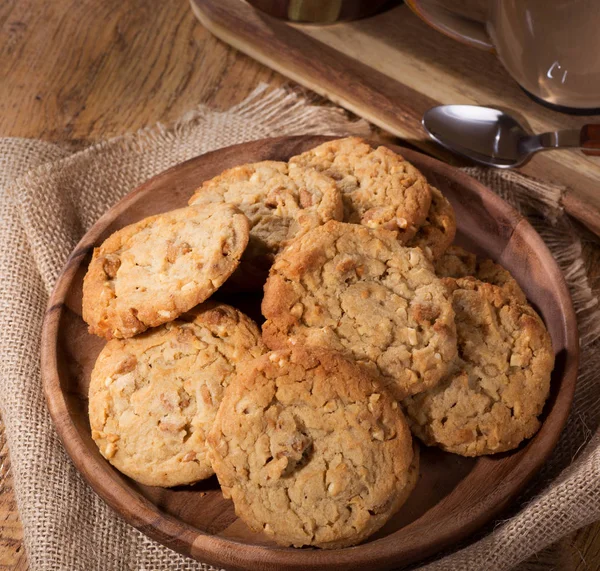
{"type": "Point", "coordinates": [391, 68]}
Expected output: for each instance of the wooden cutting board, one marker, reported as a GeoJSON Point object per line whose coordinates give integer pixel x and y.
{"type": "Point", "coordinates": [391, 68]}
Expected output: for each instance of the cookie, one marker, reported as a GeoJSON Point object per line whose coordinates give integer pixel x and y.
{"type": "Point", "coordinates": [152, 271]}
{"type": "Point", "coordinates": [492, 401]}
{"type": "Point", "coordinates": [437, 232]}
{"type": "Point", "coordinates": [279, 204]}
{"type": "Point", "coordinates": [359, 291]}
{"type": "Point", "coordinates": [458, 263]}
{"type": "Point", "coordinates": [488, 271]}
{"type": "Point", "coordinates": [379, 188]}
{"type": "Point", "coordinates": [153, 398]}
{"type": "Point", "coordinates": [311, 450]}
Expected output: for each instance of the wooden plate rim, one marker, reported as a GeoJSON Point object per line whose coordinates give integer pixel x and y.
{"type": "Point", "coordinates": [186, 539]}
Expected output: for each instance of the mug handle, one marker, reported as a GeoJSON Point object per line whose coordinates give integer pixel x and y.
{"type": "Point", "coordinates": [461, 28]}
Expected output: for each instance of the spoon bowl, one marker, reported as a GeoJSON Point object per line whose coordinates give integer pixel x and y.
{"type": "Point", "coordinates": [494, 138]}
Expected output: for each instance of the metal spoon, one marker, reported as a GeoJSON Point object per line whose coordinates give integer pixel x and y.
{"type": "Point", "coordinates": [491, 137]}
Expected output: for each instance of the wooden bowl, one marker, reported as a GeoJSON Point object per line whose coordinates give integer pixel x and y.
{"type": "Point", "coordinates": [454, 496]}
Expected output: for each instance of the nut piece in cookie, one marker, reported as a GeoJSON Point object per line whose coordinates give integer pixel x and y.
{"type": "Point", "coordinates": [152, 271]}
{"type": "Point", "coordinates": [311, 450]}
{"type": "Point", "coordinates": [279, 203]}
{"type": "Point", "coordinates": [359, 291]}
{"type": "Point", "coordinates": [380, 189]}
{"type": "Point", "coordinates": [437, 232]}
{"type": "Point", "coordinates": [153, 398]}
{"type": "Point", "coordinates": [458, 263]}
{"type": "Point", "coordinates": [492, 401]}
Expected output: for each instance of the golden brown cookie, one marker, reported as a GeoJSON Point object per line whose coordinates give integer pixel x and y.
{"type": "Point", "coordinates": [488, 271]}
{"type": "Point", "coordinates": [437, 232]}
{"type": "Point", "coordinates": [379, 188]}
{"type": "Point", "coordinates": [311, 450]}
{"type": "Point", "coordinates": [150, 272]}
{"type": "Point", "coordinates": [359, 291]}
{"type": "Point", "coordinates": [458, 263]}
{"type": "Point", "coordinates": [153, 398]}
{"type": "Point", "coordinates": [493, 399]}
{"type": "Point", "coordinates": [279, 204]}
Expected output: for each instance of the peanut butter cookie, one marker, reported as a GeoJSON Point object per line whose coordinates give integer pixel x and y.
{"type": "Point", "coordinates": [152, 271]}
{"type": "Point", "coordinates": [438, 231]}
{"type": "Point", "coordinates": [379, 188]}
{"type": "Point", "coordinates": [458, 263]}
{"type": "Point", "coordinates": [311, 450]}
{"type": "Point", "coordinates": [279, 204]}
{"type": "Point", "coordinates": [492, 401]}
{"type": "Point", "coordinates": [154, 398]}
{"type": "Point", "coordinates": [492, 273]}
{"type": "Point", "coordinates": [359, 291]}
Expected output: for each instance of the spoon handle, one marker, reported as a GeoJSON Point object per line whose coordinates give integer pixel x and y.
{"type": "Point", "coordinates": [589, 140]}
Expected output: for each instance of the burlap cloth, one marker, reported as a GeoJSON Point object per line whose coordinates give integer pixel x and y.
{"type": "Point", "coordinates": [51, 195]}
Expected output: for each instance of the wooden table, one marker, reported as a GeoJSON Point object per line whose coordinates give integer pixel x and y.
{"type": "Point", "coordinates": [85, 70]}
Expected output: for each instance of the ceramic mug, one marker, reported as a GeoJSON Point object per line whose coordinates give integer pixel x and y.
{"type": "Point", "coordinates": [550, 47]}
{"type": "Point", "coordinates": [320, 11]}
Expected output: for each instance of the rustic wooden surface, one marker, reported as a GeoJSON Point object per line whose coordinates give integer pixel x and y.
{"type": "Point", "coordinates": [87, 70]}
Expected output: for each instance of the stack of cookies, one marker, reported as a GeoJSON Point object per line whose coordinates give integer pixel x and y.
{"type": "Point", "coordinates": [376, 328]}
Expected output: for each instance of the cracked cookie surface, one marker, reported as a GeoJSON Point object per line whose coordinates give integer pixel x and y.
{"type": "Point", "coordinates": [153, 398]}
{"type": "Point", "coordinates": [279, 203]}
{"type": "Point", "coordinates": [492, 401]}
{"type": "Point", "coordinates": [379, 188]}
{"type": "Point", "coordinates": [437, 232]}
{"type": "Point", "coordinates": [359, 291]}
{"type": "Point", "coordinates": [150, 272]}
{"type": "Point", "coordinates": [311, 450]}
{"type": "Point", "coordinates": [459, 263]}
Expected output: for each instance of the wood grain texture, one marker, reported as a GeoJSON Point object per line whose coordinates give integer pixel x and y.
{"type": "Point", "coordinates": [90, 70]}
{"type": "Point", "coordinates": [454, 496]}
{"type": "Point", "coordinates": [70, 94]}
{"type": "Point", "coordinates": [12, 554]}
{"type": "Point", "coordinates": [391, 68]}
